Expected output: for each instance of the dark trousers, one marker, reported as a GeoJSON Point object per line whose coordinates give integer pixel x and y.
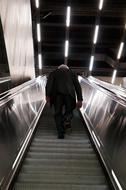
{"type": "Point", "coordinates": [63, 106]}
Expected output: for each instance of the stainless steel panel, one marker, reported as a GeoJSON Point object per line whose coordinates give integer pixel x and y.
{"type": "Point", "coordinates": [17, 114]}
{"type": "Point", "coordinates": [118, 90]}
{"type": "Point", "coordinates": [107, 117]}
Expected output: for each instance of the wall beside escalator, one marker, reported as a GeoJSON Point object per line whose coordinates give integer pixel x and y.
{"type": "Point", "coordinates": [17, 29]}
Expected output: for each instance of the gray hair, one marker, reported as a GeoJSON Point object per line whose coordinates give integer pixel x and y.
{"type": "Point", "coordinates": [63, 66]}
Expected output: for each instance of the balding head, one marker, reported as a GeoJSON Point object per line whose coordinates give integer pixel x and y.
{"type": "Point", "coordinates": [63, 66]}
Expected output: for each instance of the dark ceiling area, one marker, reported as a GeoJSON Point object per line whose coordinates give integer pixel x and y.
{"type": "Point", "coordinates": [85, 15]}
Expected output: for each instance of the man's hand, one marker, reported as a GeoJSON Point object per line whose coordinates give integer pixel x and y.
{"type": "Point", "coordinates": [79, 104]}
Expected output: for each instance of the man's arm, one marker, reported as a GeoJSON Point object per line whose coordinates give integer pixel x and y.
{"type": "Point", "coordinates": [49, 86]}
{"type": "Point", "coordinates": [78, 91]}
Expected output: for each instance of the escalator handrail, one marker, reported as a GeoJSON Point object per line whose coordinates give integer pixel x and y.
{"type": "Point", "coordinates": [117, 95]}
{"type": "Point", "coordinates": [104, 85]}
{"type": "Point", "coordinates": [18, 89]}
{"type": "Point", "coordinates": [2, 80]}
{"type": "Point", "coordinates": [113, 96]}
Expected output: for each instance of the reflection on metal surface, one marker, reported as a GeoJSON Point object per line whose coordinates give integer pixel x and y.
{"type": "Point", "coordinates": [118, 90]}
{"type": "Point", "coordinates": [21, 149]}
{"type": "Point", "coordinates": [18, 113]}
{"type": "Point", "coordinates": [4, 86]}
{"type": "Point", "coordinates": [79, 79]}
{"type": "Point", "coordinates": [118, 184]}
{"type": "Point", "coordinates": [96, 138]}
{"type": "Point", "coordinates": [1, 181]}
{"type": "Point", "coordinates": [32, 108]}
{"type": "Point", "coordinates": [107, 118]}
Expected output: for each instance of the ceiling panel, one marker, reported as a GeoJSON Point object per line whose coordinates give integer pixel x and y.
{"type": "Point", "coordinates": [84, 17]}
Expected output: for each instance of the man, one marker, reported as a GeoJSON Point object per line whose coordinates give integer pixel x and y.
{"type": "Point", "coordinates": [61, 90]}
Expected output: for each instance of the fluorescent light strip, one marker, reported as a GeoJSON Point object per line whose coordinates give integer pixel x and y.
{"type": "Point", "coordinates": [114, 75]}
{"type": "Point", "coordinates": [96, 34]}
{"type": "Point", "coordinates": [91, 63]}
{"type": "Point", "coordinates": [120, 50]}
{"type": "Point", "coordinates": [101, 4]}
{"type": "Point", "coordinates": [37, 3]}
{"type": "Point", "coordinates": [40, 61]}
{"type": "Point", "coordinates": [38, 32]}
{"type": "Point", "coordinates": [66, 48]}
{"type": "Point", "coordinates": [68, 16]}
{"type": "Point", "coordinates": [117, 182]}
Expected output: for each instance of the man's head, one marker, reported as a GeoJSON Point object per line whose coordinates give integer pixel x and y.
{"type": "Point", "coordinates": [63, 66]}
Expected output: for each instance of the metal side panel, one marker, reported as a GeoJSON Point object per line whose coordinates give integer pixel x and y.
{"type": "Point", "coordinates": [18, 115]}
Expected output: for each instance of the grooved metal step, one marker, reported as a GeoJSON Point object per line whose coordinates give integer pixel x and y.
{"type": "Point", "coordinates": [60, 164]}
{"type": "Point", "coordinates": [34, 186]}
{"type": "Point", "coordinates": [55, 155]}
{"type": "Point", "coordinates": [59, 148]}
{"type": "Point", "coordinates": [61, 179]}
{"type": "Point", "coordinates": [62, 169]}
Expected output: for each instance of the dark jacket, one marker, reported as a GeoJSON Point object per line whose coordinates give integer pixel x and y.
{"type": "Point", "coordinates": [63, 81]}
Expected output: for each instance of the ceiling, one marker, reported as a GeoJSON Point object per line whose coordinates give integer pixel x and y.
{"type": "Point", "coordinates": [84, 16]}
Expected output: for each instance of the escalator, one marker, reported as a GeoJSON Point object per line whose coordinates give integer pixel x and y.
{"type": "Point", "coordinates": [114, 89]}
{"type": "Point", "coordinates": [60, 164]}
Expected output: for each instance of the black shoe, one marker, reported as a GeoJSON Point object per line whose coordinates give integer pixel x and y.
{"type": "Point", "coordinates": [67, 124]}
{"type": "Point", "coordinates": [68, 128]}
{"type": "Point", "coordinates": [60, 136]}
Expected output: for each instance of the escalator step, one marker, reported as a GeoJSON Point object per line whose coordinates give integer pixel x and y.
{"type": "Point", "coordinates": [35, 186]}
{"type": "Point", "coordinates": [61, 179]}
{"type": "Point", "coordinates": [69, 162]}
{"type": "Point", "coordinates": [88, 153]}
{"type": "Point", "coordinates": [60, 164]}
{"type": "Point", "coordinates": [64, 154]}
{"type": "Point", "coordinates": [54, 139]}
{"type": "Point", "coordinates": [59, 147]}
{"type": "Point", "coordinates": [61, 169]}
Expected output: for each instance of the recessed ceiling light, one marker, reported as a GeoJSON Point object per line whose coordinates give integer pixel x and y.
{"type": "Point", "coordinates": [66, 48]}
{"type": "Point", "coordinates": [37, 3]}
{"type": "Point", "coordinates": [38, 32]}
{"type": "Point", "coordinates": [40, 61]}
{"type": "Point", "coordinates": [68, 16]}
{"type": "Point", "coordinates": [120, 50]}
{"type": "Point", "coordinates": [114, 76]}
{"type": "Point", "coordinates": [96, 34]}
{"type": "Point", "coordinates": [101, 4]}
{"type": "Point", "coordinates": [91, 63]}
